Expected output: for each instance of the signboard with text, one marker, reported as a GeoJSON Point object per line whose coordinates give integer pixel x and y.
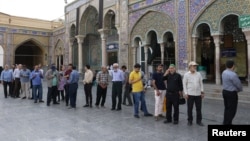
{"type": "Point", "coordinates": [244, 21]}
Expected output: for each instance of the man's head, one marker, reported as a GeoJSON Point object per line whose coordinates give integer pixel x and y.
{"type": "Point", "coordinates": [159, 68]}
{"type": "Point", "coordinates": [53, 67]}
{"type": "Point", "coordinates": [104, 68]}
{"type": "Point", "coordinates": [70, 66]}
{"type": "Point", "coordinates": [87, 67]}
{"type": "Point", "coordinates": [115, 66]}
{"type": "Point", "coordinates": [124, 68]}
{"type": "Point", "coordinates": [171, 68]}
{"type": "Point", "coordinates": [137, 67]}
{"type": "Point", "coordinates": [6, 67]}
{"type": "Point", "coordinates": [230, 64]}
{"type": "Point", "coordinates": [24, 67]}
{"type": "Point", "coordinates": [192, 66]}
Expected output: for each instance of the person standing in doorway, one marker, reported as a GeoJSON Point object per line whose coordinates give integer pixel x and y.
{"type": "Point", "coordinates": [87, 82]}
{"type": "Point", "coordinates": [159, 90]}
{"type": "Point", "coordinates": [6, 79]}
{"type": "Point", "coordinates": [231, 86]}
{"type": "Point", "coordinates": [193, 92]}
{"type": "Point", "coordinates": [174, 92]}
{"type": "Point", "coordinates": [102, 84]}
{"type": "Point", "coordinates": [117, 80]}
{"type": "Point", "coordinates": [135, 79]}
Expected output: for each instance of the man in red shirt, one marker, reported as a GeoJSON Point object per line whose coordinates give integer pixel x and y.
{"type": "Point", "coordinates": [66, 86]}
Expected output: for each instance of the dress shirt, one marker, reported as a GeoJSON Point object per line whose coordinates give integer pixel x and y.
{"type": "Point", "coordinates": [102, 78]}
{"type": "Point", "coordinates": [230, 81]}
{"type": "Point", "coordinates": [88, 77]}
{"type": "Point", "coordinates": [16, 73]}
{"type": "Point", "coordinates": [117, 75]}
{"type": "Point", "coordinates": [24, 75]}
{"type": "Point", "coordinates": [74, 77]}
{"type": "Point", "coordinates": [192, 83]}
{"type": "Point", "coordinates": [36, 77]}
{"type": "Point", "coordinates": [7, 75]}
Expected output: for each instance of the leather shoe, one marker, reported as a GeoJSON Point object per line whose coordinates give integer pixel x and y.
{"type": "Point", "coordinates": [86, 105]}
{"type": "Point", "coordinates": [167, 121]}
{"type": "Point", "coordinates": [56, 103]}
{"type": "Point", "coordinates": [41, 101]}
{"type": "Point", "coordinates": [136, 116]}
{"type": "Point", "coordinates": [200, 124]}
{"type": "Point", "coordinates": [175, 122]}
{"type": "Point", "coordinates": [119, 109]}
{"type": "Point", "coordinates": [189, 123]}
{"type": "Point", "coordinates": [148, 115]}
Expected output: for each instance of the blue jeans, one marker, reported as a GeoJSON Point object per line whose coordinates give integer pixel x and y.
{"type": "Point", "coordinates": [72, 94]}
{"type": "Point", "coordinates": [38, 88]}
{"type": "Point", "coordinates": [139, 96]}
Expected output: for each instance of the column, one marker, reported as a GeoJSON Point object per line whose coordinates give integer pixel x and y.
{"type": "Point", "coordinates": [217, 59]}
{"type": "Point", "coordinates": [194, 45]}
{"type": "Point", "coordinates": [134, 55]}
{"type": "Point", "coordinates": [247, 34]}
{"type": "Point", "coordinates": [162, 52]}
{"type": "Point", "coordinates": [71, 42]}
{"type": "Point", "coordinates": [104, 33]}
{"type": "Point", "coordinates": [146, 61]}
{"type": "Point", "coordinates": [80, 39]}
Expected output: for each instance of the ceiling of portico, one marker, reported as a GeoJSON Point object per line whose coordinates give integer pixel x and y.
{"type": "Point", "coordinates": [219, 9]}
{"type": "Point", "coordinates": [156, 21]}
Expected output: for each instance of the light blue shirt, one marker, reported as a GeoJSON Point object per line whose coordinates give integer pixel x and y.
{"type": "Point", "coordinates": [117, 75]}
{"type": "Point", "coordinates": [36, 77]}
{"type": "Point", "coordinates": [25, 76]}
{"type": "Point", "coordinates": [74, 77]}
{"type": "Point", "coordinates": [230, 81]}
{"type": "Point", "coordinates": [7, 75]}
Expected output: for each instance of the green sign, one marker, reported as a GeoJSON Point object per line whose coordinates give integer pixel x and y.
{"type": "Point", "coordinates": [244, 21]}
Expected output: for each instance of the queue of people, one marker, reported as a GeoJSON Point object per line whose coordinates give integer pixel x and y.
{"type": "Point", "coordinates": [168, 85]}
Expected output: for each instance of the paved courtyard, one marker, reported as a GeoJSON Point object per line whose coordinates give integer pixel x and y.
{"type": "Point", "coordinates": [23, 120]}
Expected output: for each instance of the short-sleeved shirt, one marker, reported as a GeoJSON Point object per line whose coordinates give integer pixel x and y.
{"type": "Point", "coordinates": [159, 82]}
{"type": "Point", "coordinates": [138, 86]}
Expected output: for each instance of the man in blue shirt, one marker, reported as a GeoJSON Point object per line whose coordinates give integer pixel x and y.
{"type": "Point", "coordinates": [73, 86]}
{"type": "Point", "coordinates": [6, 80]}
{"type": "Point", "coordinates": [36, 77]}
{"type": "Point", "coordinates": [231, 86]}
{"type": "Point", "coordinates": [25, 82]}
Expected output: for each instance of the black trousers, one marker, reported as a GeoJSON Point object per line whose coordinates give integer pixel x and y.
{"type": "Point", "coordinates": [5, 86]}
{"type": "Point", "coordinates": [17, 87]}
{"type": "Point", "coordinates": [88, 93]}
{"type": "Point", "coordinates": [172, 102]}
{"type": "Point", "coordinates": [66, 88]}
{"type": "Point", "coordinates": [60, 94]}
{"type": "Point", "coordinates": [52, 93]}
{"type": "Point", "coordinates": [127, 94]}
{"type": "Point", "coordinates": [230, 104]}
{"type": "Point", "coordinates": [101, 94]}
{"type": "Point", "coordinates": [73, 94]}
{"type": "Point", "coordinates": [117, 92]}
{"type": "Point", "coordinates": [190, 103]}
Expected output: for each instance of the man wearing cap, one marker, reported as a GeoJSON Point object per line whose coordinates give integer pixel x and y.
{"type": "Point", "coordinates": [174, 91]}
{"type": "Point", "coordinates": [193, 92]}
{"type": "Point", "coordinates": [135, 79]}
{"type": "Point", "coordinates": [231, 86]}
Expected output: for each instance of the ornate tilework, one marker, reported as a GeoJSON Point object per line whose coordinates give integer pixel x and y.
{"type": "Point", "coordinates": [195, 7]}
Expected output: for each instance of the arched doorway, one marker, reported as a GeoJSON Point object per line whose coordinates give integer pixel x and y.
{"type": "Point", "coordinates": [112, 42]}
{"type": "Point", "coordinates": [1, 56]}
{"type": "Point", "coordinates": [59, 53]}
{"type": "Point", "coordinates": [29, 53]}
{"type": "Point", "coordinates": [74, 47]}
{"type": "Point", "coordinates": [154, 50]}
{"type": "Point", "coordinates": [169, 49]}
{"type": "Point", "coordinates": [234, 46]}
{"type": "Point", "coordinates": [205, 53]}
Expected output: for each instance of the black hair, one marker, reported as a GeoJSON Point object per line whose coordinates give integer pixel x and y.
{"type": "Point", "coordinates": [124, 67]}
{"type": "Point", "coordinates": [229, 64]}
{"type": "Point", "coordinates": [87, 66]}
{"type": "Point", "coordinates": [137, 65]}
{"type": "Point", "coordinates": [73, 67]}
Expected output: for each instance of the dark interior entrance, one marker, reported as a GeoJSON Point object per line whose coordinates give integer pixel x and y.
{"type": "Point", "coordinates": [29, 54]}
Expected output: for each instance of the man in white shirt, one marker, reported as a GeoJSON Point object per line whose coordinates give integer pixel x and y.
{"type": "Point", "coordinates": [87, 82]}
{"type": "Point", "coordinates": [16, 76]}
{"type": "Point", "coordinates": [193, 92]}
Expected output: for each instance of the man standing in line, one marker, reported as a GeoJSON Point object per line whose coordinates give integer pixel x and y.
{"type": "Point", "coordinates": [159, 90]}
{"type": "Point", "coordinates": [6, 80]}
{"type": "Point", "coordinates": [25, 82]}
{"type": "Point", "coordinates": [102, 84]}
{"type": "Point", "coordinates": [193, 92]}
{"type": "Point", "coordinates": [135, 79]}
{"type": "Point", "coordinates": [117, 79]}
{"type": "Point", "coordinates": [36, 77]}
{"type": "Point", "coordinates": [174, 91]}
{"type": "Point", "coordinates": [16, 76]}
{"type": "Point", "coordinates": [52, 77]}
{"type": "Point", "coordinates": [231, 86]}
{"type": "Point", "coordinates": [73, 86]}
{"type": "Point", "coordinates": [66, 86]}
{"type": "Point", "coordinates": [87, 82]}
{"type": "Point", "coordinates": [127, 87]}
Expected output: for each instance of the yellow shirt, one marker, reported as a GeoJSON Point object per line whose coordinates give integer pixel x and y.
{"type": "Point", "coordinates": [137, 86]}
